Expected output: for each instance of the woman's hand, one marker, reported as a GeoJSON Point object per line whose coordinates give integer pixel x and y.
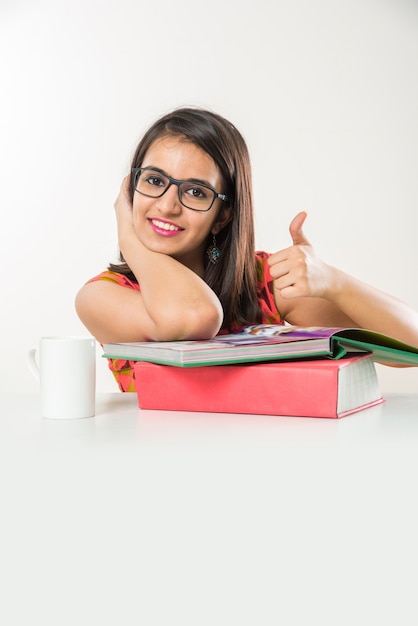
{"type": "Point", "coordinates": [124, 212]}
{"type": "Point", "coordinates": [308, 292]}
{"type": "Point", "coordinates": [297, 271]}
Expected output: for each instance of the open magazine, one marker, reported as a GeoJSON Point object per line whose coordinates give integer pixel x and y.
{"type": "Point", "coordinates": [267, 342]}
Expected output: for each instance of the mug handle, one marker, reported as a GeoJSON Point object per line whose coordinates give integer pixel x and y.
{"type": "Point", "coordinates": [32, 364]}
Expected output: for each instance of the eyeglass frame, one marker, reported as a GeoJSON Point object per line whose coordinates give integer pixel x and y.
{"type": "Point", "coordinates": [174, 181]}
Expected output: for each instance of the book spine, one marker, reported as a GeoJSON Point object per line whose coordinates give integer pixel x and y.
{"type": "Point", "coordinates": [258, 389]}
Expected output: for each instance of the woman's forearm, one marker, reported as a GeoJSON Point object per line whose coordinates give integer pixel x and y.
{"type": "Point", "coordinates": [180, 305]}
{"type": "Point", "coordinates": [371, 308]}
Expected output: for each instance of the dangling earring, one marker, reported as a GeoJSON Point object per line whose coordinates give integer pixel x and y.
{"type": "Point", "coordinates": [213, 251]}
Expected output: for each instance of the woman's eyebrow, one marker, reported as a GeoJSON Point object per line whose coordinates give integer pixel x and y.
{"type": "Point", "coordinates": [198, 181]}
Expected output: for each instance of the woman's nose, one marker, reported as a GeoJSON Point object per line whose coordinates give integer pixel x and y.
{"type": "Point", "coordinates": [169, 202]}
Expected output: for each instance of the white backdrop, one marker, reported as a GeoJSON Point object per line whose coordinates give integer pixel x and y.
{"type": "Point", "coordinates": [325, 92]}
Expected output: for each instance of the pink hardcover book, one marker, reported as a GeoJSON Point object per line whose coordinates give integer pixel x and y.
{"type": "Point", "coordinates": [314, 388]}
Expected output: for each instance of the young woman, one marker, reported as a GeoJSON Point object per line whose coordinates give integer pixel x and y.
{"type": "Point", "coordinates": [188, 267]}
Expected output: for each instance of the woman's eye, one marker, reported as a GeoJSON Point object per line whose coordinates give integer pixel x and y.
{"type": "Point", "coordinates": [155, 181]}
{"type": "Point", "coordinates": [197, 192]}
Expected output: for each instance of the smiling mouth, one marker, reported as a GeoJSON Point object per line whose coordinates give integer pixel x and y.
{"type": "Point", "coordinates": [165, 226]}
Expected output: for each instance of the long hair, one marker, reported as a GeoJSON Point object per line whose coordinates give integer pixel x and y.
{"type": "Point", "coordinates": [233, 277]}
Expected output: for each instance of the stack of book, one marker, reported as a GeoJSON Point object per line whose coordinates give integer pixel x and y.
{"type": "Point", "coordinates": [265, 369]}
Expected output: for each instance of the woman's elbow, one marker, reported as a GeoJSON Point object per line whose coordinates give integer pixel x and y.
{"type": "Point", "coordinates": [196, 324]}
{"type": "Point", "coordinates": [207, 324]}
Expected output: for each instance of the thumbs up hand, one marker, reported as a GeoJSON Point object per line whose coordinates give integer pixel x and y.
{"type": "Point", "coordinates": [297, 271]}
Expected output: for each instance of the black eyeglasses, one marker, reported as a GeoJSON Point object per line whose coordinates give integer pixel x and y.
{"type": "Point", "coordinates": [192, 195]}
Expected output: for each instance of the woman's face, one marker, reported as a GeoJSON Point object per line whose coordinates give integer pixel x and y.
{"type": "Point", "coordinates": [163, 224]}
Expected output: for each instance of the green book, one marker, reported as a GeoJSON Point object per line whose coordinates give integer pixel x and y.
{"type": "Point", "coordinates": [264, 342]}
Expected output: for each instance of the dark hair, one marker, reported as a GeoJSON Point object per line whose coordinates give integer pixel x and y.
{"type": "Point", "coordinates": [233, 277]}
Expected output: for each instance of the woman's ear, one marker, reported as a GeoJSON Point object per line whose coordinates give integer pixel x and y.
{"type": "Point", "coordinates": [224, 217]}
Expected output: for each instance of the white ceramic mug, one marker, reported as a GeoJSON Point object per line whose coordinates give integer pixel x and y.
{"type": "Point", "coordinates": [67, 376]}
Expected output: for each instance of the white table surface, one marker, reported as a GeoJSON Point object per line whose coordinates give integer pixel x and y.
{"type": "Point", "coordinates": [152, 517]}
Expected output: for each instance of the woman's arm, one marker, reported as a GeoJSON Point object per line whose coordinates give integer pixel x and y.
{"type": "Point", "coordinates": [309, 292]}
{"type": "Point", "coordinates": [173, 302]}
